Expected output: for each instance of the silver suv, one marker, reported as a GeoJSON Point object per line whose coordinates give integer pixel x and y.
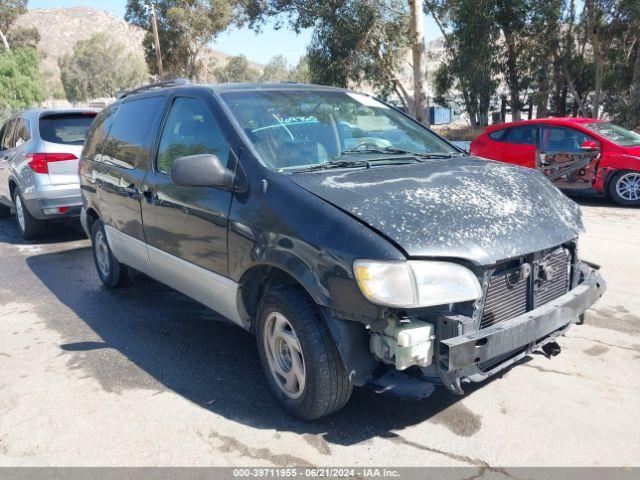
{"type": "Point", "coordinates": [39, 151]}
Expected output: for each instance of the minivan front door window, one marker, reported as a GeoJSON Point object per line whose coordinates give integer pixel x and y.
{"type": "Point", "coordinates": [190, 129]}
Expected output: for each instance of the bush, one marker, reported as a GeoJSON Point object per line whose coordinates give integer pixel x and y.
{"type": "Point", "coordinates": [21, 84]}
{"type": "Point", "coordinates": [100, 66]}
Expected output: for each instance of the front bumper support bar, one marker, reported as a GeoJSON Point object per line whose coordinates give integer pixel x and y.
{"type": "Point", "coordinates": [520, 332]}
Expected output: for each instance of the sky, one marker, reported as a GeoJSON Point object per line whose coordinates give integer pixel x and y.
{"type": "Point", "coordinates": [256, 47]}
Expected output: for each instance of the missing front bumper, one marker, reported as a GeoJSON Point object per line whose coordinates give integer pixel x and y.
{"type": "Point", "coordinates": [523, 332]}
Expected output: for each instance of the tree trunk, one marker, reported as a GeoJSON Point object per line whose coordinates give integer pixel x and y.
{"type": "Point", "coordinates": [574, 92]}
{"type": "Point", "coordinates": [4, 40]}
{"type": "Point", "coordinates": [597, 55]}
{"type": "Point", "coordinates": [512, 76]}
{"type": "Point", "coordinates": [418, 53]}
{"type": "Point", "coordinates": [542, 98]}
{"type": "Point", "coordinates": [635, 79]}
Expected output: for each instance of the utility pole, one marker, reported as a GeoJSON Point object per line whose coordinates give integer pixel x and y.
{"type": "Point", "coordinates": [156, 39]}
{"type": "Point", "coordinates": [418, 54]}
{"type": "Point", "coordinates": [3, 37]}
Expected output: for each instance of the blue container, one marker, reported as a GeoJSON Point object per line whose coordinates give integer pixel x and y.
{"type": "Point", "coordinates": [439, 115]}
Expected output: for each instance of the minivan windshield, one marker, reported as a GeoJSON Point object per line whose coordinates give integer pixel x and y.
{"type": "Point", "coordinates": [298, 129]}
{"type": "Point", "coordinates": [615, 133]}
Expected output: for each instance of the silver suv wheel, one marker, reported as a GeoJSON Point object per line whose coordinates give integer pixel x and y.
{"type": "Point", "coordinates": [284, 355]}
{"type": "Point", "coordinates": [20, 213]}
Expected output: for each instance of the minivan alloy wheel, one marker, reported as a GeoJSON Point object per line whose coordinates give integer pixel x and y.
{"type": "Point", "coordinates": [284, 355]}
{"type": "Point", "coordinates": [102, 253]}
{"type": "Point", "coordinates": [628, 186]}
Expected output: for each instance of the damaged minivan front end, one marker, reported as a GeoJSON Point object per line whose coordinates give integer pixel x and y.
{"type": "Point", "coordinates": [521, 306]}
{"type": "Point", "coordinates": [492, 270]}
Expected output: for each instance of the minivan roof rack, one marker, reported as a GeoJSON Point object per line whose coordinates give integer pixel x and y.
{"type": "Point", "coordinates": [151, 86]}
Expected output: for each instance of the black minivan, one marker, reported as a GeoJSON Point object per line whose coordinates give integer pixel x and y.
{"type": "Point", "coordinates": [359, 246]}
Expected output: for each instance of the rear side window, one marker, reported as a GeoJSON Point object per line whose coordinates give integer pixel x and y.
{"type": "Point", "coordinates": [23, 131]}
{"type": "Point", "coordinates": [132, 132]}
{"type": "Point", "coordinates": [97, 133]}
{"type": "Point", "coordinates": [68, 128]}
{"type": "Point", "coordinates": [190, 129]}
{"type": "Point", "coordinates": [527, 135]}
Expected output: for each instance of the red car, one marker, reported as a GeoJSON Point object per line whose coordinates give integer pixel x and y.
{"type": "Point", "coordinates": [578, 154]}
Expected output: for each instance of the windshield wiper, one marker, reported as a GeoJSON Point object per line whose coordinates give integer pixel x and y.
{"type": "Point", "coordinates": [395, 151]}
{"type": "Point", "coordinates": [335, 164]}
{"type": "Point", "coordinates": [355, 163]}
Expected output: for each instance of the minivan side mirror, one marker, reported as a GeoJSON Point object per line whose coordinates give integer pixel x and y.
{"type": "Point", "coordinates": [589, 146]}
{"type": "Point", "coordinates": [203, 170]}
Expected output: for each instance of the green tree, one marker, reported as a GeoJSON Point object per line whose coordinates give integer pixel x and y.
{"type": "Point", "coordinates": [300, 73]}
{"type": "Point", "coordinates": [100, 66]}
{"type": "Point", "coordinates": [472, 55]}
{"type": "Point", "coordinates": [354, 41]}
{"type": "Point", "coordinates": [237, 69]}
{"type": "Point", "coordinates": [10, 10]}
{"type": "Point", "coordinates": [21, 83]}
{"type": "Point", "coordinates": [276, 70]}
{"type": "Point", "coordinates": [185, 27]}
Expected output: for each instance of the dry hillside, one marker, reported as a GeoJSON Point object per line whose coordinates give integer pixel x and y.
{"type": "Point", "coordinates": [78, 23]}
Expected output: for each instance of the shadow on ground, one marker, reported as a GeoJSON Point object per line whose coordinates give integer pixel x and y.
{"type": "Point", "coordinates": [67, 230]}
{"type": "Point", "coordinates": [149, 336]}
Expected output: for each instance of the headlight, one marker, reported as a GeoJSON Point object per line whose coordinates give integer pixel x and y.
{"type": "Point", "coordinates": [415, 283]}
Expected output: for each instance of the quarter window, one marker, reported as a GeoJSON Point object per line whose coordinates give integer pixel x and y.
{"type": "Point", "coordinates": [130, 137]}
{"type": "Point", "coordinates": [498, 135]}
{"type": "Point", "coordinates": [190, 129]}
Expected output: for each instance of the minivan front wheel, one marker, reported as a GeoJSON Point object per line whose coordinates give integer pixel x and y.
{"type": "Point", "coordinates": [111, 272]}
{"type": "Point", "coordinates": [300, 358]}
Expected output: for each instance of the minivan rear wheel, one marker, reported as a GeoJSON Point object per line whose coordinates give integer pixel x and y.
{"type": "Point", "coordinates": [112, 273]}
{"type": "Point", "coordinates": [29, 226]}
{"type": "Point", "coordinates": [299, 356]}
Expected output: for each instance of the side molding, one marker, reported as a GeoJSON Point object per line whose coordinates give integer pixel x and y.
{"type": "Point", "coordinates": [209, 288]}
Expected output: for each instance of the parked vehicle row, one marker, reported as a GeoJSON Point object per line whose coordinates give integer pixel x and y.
{"type": "Point", "coordinates": [582, 155]}
{"type": "Point", "coordinates": [39, 152]}
{"type": "Point", "coordinates": [358, 246]}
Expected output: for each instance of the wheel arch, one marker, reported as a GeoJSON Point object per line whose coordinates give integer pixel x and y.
{"type": "Point", "coordinates": [258, 278]}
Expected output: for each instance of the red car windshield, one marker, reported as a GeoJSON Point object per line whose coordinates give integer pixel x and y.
{"type": "Point", "coordinates": [615, 133]}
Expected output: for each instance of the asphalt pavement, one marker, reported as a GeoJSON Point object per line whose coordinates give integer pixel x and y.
{"type": "Point", "coordinates": [144, 376]}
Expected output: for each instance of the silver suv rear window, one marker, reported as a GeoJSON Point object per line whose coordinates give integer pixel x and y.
{"type": "Point", "coordinates": [68, 128]}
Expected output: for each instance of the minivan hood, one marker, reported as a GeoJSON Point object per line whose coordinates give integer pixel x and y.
{"type": "Point", "coordinates": [479, 210]}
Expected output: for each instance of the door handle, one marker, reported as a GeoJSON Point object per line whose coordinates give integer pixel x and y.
{"type": "Point", "coordinates": [132, 191]}
{"type": "Point", "coordinates": [150, 194]}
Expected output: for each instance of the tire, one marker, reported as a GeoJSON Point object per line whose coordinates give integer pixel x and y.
{"type": "Point", "coordinates": [111, 272]}
{"type": "Point", "coordinates": [624, 188]}
{"type": "Point", "coordinates": [5, 212]}
{"type": "Point", "coordinates": [325, 387]}
{"type": "Point", "coordinates": [29, 226]}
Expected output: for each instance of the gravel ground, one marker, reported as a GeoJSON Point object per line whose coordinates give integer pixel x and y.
{"type": "Point", "coordinates": [143, 376]}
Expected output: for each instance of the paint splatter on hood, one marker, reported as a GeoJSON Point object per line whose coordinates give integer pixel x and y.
{"type": "Point", "coordinates": [465, 207]}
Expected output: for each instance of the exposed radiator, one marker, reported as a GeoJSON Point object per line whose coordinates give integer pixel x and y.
{"type": "Point", "coordinates": [507, 294]}
{"type": "Point", "coordinates": [558, 284]}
